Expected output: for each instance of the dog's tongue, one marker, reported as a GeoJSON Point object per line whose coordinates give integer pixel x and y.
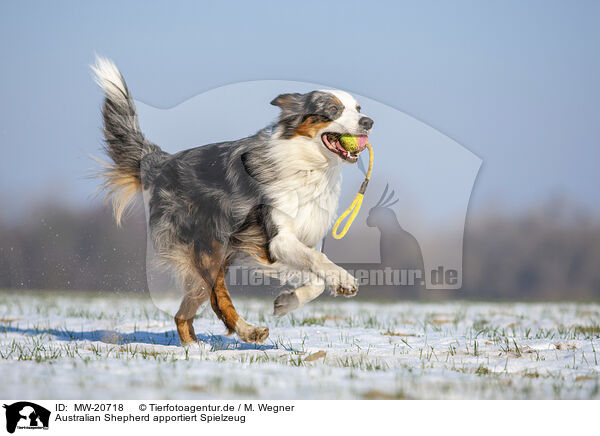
{"type": "Point", "coordinates": [362, 142]}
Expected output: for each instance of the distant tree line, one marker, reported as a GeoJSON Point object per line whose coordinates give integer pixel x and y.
{"type": "Point", "coordinates": [81, 249]}
{"type": "Point", "coordinates": [549, 253]}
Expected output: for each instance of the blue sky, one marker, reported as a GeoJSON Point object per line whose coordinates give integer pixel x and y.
{"type": "Point", "coordinates": [514, 82]}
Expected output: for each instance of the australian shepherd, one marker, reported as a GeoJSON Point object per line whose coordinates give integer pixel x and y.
{"type": "Point", "coordinates": [265, 201]}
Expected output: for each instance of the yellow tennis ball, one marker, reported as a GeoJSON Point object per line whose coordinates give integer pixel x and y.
{"type": "Point", "coordinates": [349, 142]}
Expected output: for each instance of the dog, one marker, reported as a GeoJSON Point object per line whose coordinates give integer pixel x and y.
{"type": "Point", "coordinates": [265, 201]}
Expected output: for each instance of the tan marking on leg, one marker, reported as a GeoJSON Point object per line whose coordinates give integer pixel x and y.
{"type": "Point", "coordinates": [185, 329]}
{"type": "Point", "coordinates": [223, 307]}
{"type": "Point", "coordinates": [222, 304]}
{"type": "Point", "coordinates": [184, 318]}
{"type": "Point", "coordinates": [183, 261]}
{"type": "Point", "coordinates": [196, 271]}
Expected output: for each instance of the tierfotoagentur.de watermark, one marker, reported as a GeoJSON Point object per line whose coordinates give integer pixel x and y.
{"type": "Point", "coordinates": [386, 276]}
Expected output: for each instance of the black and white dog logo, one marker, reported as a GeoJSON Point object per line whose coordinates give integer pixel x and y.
{"type": "Point", "coordinates": [26, 415]}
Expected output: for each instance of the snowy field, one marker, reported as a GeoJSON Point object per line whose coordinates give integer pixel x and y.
{"type": "Point", "coordinates": [70, 346]}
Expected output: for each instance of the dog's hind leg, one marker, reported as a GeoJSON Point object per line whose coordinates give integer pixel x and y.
{"type": "Point", "coordinates": [195, 295]}
{"type": "Point", "coordinates": [185, 317]}
{"type": "Point", "coordinates": [223, 307]}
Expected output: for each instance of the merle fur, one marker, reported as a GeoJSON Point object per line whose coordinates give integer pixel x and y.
{"type": "Point", "coordinates": [213, 192]}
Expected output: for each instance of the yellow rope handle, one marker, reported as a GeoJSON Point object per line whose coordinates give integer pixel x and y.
{"type": "Point", "coordinates": [356, 204]}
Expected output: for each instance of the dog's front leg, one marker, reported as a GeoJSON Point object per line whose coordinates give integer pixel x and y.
{"type": "Point", "coordinates": [292, 300]}
{"type": "Point", "coordinates": [286, 248]}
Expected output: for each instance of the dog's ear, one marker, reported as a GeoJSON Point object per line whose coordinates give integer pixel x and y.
{"type": "Point", "coordinates": [285, 100]}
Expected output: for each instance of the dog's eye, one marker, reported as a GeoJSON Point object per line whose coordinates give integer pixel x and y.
{"type": "Point", "coordinates": [332, 110]}
{"type": "Point", "coordinates": [357, 108]}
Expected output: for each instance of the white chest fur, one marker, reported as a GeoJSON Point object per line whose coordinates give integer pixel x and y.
{"type": "Point", "coordinates": [305, 196]}
{"type": "Point", "coordinates": [317, 204]}
{"type": "Point", "coordinates": [306, 204]}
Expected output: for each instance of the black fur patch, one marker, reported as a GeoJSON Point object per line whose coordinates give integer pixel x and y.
{"type": "Point", "coordinates": [318, 106]}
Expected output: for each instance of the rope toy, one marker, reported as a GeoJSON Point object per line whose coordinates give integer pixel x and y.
{"type": "Point", "coordinates": [350, 143]}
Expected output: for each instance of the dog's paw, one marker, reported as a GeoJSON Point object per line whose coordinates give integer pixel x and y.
{"type": "Point", "coordinates": [285, 303]}
{"type": "Point", "coordinates": [347, 292]}
{"type": "Point", "coordinates": [255, 335]}
{"type": "Point", "coordinates": [343, 283]}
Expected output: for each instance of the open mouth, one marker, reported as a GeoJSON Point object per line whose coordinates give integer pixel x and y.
{"type": "Point", "coordinates": [349, 149]}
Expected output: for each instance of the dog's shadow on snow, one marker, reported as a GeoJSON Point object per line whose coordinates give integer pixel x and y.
{"type": "Point", "coordinates": [216, 342]}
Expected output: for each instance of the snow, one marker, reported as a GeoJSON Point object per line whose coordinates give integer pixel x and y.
{"type": "Point", "coordinates": [76, 346]}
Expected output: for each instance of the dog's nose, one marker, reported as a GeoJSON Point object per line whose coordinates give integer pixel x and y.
{"type": "Point", "coordinates": [366, 123]}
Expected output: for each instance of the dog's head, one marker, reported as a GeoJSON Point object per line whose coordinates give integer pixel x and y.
{"type": "Point", "coordinates": [322, 117]}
